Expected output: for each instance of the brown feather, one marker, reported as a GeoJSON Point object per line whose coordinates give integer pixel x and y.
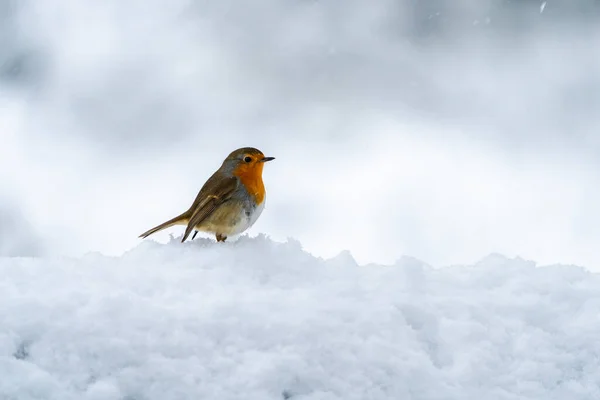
{"type": "Point", "coordinates": [181, 219]}
{"type": "Point", "coordinates": [220, 190]}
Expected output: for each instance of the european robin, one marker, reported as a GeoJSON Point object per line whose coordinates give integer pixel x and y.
{"type": "Point", "coordinates": [230, 201]}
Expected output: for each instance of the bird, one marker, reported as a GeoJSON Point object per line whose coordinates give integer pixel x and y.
{"type": "Point", "coordinates": [229, 202]}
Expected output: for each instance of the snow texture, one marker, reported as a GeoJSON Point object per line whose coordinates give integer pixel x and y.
{"type": "Point", "coordinates": [256, 320]}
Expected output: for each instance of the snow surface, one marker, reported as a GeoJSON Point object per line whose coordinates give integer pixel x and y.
{"type": "Point", "coordinates": [256, 319]}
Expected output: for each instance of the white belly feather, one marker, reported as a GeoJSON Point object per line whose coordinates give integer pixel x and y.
{"type": "Point", "coordinates": [245, 222]}
{"type": "Point", "coordinates": [228, 225]}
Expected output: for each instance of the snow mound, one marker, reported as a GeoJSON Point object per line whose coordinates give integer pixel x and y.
{"type": "Point", "coordinates": [256, 320]}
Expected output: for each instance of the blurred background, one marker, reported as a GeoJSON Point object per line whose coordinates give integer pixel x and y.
{"type": "Point", "coordinates": [439, 130]}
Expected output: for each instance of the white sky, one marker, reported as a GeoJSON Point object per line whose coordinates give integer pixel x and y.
{"type": "Point", "coordinates": [439, 133]}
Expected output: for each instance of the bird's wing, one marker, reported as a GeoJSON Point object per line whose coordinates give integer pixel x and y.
{"type": "Point", "coordinates": [212, 195]}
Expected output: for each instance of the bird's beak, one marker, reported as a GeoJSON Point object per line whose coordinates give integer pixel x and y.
{"type": "Point", "coordinates": [265, 159]}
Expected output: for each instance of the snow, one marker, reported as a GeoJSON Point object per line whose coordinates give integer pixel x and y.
{"type": "Point", "coordinates": [257, 319]}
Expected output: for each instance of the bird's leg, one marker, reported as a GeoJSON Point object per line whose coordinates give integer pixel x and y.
{"type": "Point", "coordinates": [195, 233]}
{"type": "Point", "coordinates": [221, 238]}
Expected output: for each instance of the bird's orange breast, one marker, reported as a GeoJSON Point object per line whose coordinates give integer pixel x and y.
{"type": "Point", "coordinates": [251, 177]}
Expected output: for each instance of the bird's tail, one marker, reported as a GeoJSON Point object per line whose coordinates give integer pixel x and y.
{"type": "Point", "coordinates": [181, 219]}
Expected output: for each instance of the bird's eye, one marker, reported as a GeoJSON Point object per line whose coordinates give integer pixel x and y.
{"type": "Point", "coordinates": [247, 159]}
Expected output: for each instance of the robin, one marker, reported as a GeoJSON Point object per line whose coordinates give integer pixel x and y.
{"type": "Point", "coordinates": [230, 201]}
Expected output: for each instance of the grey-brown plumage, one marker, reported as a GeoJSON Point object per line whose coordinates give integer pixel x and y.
{"type": "Point", "coordinates": [229, 202]}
